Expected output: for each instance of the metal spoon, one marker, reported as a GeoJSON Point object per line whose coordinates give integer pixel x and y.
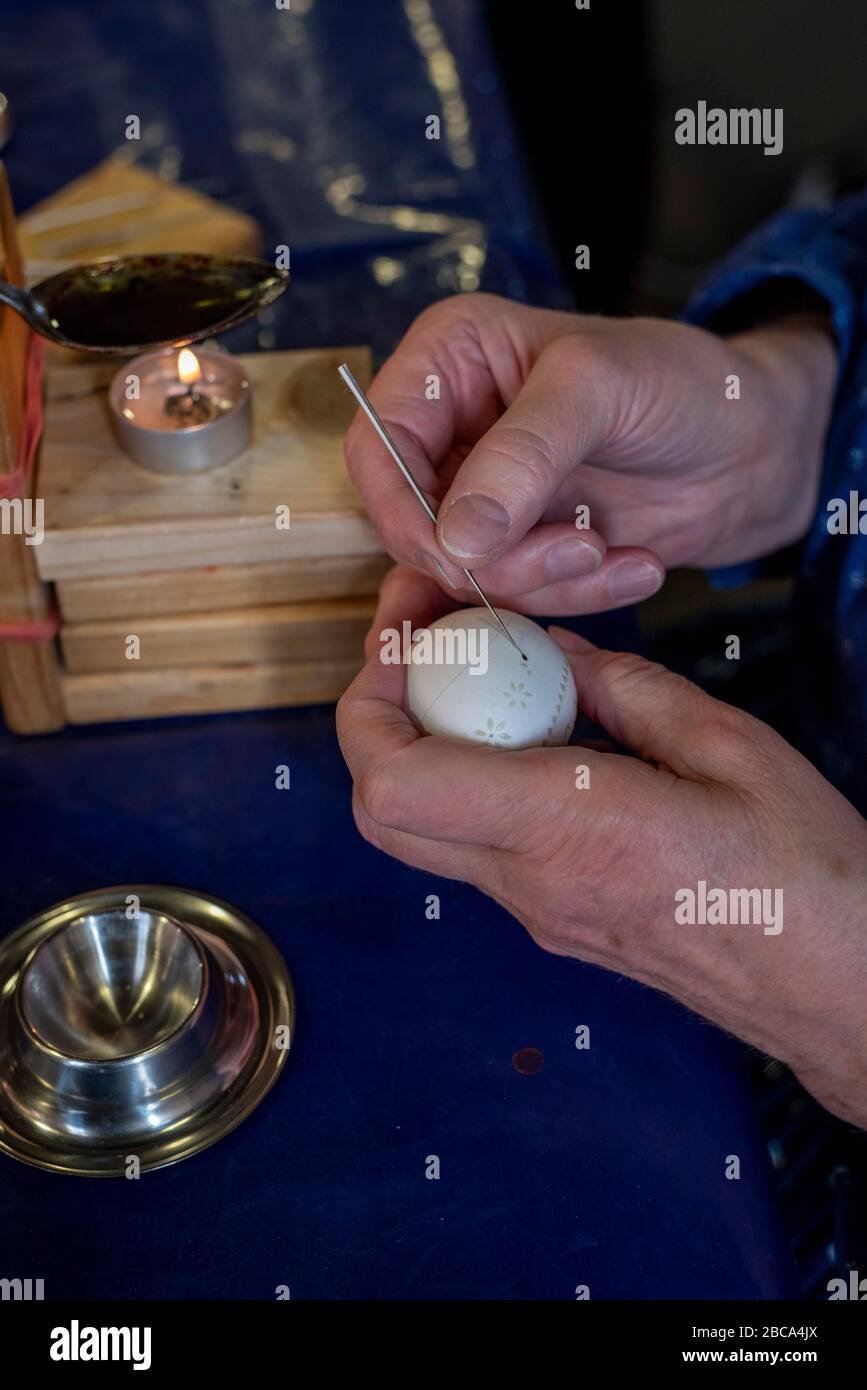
{"type": "Point", "coordinates": [136, 302]}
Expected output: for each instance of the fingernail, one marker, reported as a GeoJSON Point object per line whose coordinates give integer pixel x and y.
{"type": "Point", "coordinates": [634, 579]}
{"type": "Point", "coordinates": [473, 526]}
{"type": "Point", "coordinates": [455, 579]}
{"type": "Point", "coordinates": [570, 559]}
{"type": "Point", "coordinates": [438, 569]}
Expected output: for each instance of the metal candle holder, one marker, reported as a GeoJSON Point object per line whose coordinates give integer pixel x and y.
{"type": "Point", "coordinates": [170, 427]}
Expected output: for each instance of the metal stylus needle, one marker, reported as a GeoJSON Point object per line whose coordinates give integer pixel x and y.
{"type": "Point", "coordinates": [384, 435]}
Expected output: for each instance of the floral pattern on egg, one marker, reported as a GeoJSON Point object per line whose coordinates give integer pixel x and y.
{"type": "Point", "coordinates": [518, 694]}
{"type": "Point", "coordinates": [494, 734]}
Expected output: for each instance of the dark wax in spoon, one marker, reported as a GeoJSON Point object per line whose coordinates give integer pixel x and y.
{"type": "Point", "coordinates": [168, 298]}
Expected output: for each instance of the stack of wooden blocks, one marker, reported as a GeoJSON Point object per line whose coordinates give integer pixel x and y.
{"type": "Point", "coordinates": [251, 586]}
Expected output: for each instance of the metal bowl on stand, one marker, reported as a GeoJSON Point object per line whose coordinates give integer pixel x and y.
{"type": "Point", "coordinates": [145, 1036]}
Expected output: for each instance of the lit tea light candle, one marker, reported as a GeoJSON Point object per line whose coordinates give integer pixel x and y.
{"type": "Point", "coordinates": [181, 412]}
{"type": "Point", "coordinates": [189, 406]}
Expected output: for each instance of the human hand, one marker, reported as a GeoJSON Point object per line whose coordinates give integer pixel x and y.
{"type": "Point", "coordinates": [541, 412]}
{"type": "Point", "coordinates": [713, 796]}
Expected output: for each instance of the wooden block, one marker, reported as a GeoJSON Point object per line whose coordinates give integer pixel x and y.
{"type": "Point", "coordinates": [120, 209]}
{"type": "Point", "coordinates": [104, 515]}
{"type": "Point", "coordinates": [29, 675]}
{"type": "Point", "coordinates": [96, 699]}
{"type": "Point", "coordinates": [216, 587]}
{"type": "Point", "coordinates": [328, 630]}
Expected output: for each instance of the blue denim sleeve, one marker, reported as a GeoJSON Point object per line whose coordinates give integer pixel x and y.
{"type": "Point", "coordinates": [827, 696]}
{"type": "Point", "coordinates": [825, 249]}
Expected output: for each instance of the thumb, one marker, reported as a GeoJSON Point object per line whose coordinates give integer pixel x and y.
{"type": "Point", "coordinates": [502, 488]}
{"type": "Point", "coordinates": [661, 716]}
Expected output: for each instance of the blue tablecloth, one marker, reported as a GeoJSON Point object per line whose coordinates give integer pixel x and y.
{"type": "Point", "coordinates": [607, 1166]}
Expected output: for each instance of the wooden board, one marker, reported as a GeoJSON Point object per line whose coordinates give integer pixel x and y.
{"type": "Point", "coordinates": [104, 515]}
{"type": "Point", "coordinates": [29, 674]}
{"type": "Point", "coordinates": [120, 209]}
{"type": "Point", "coordinates": [328, 630]}
{"type": "Point", "coordinates": [216, 587]}
{"type": "Point", "coordinates": [96, 699]}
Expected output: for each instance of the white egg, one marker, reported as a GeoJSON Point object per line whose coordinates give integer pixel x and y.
{"type": "Point", "coordinates": [511, 704]}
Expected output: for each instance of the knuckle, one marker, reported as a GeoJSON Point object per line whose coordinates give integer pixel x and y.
{"type": "Point", "coordinates": [343, 710]}
{"type": "Point", "coordinates": [459, 317]}
{"type": "Point", "coordinates": [628, 672]}
{"type": "Point", "coordinates": [380, 794]}
{"type": "Point", "coordinates": [736, 737]}
{"type": "Point", "coordinates": [564, 353]}
{"type": "Point", "coordinates": [441, 312]}
{"type": "Point", "coordinates": [526, 444]}
{"type": "Point", "coordinates": [480, 306]}
{"type": "Point", "coordinates": [553, 932]}
{"type": "Point", "coordinates": [584, 351]}
{"type": "Point", "coordinates": [366, 827]}
{"type": "Point", "coordinates": [343, 715]}
{"type": "Point", "coordinates": [340, 713]}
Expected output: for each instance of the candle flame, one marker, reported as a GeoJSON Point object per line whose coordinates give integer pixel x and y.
{"type": "Point", "coordinates": [188, 367]}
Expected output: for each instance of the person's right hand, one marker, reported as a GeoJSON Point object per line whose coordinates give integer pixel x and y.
{"type": "Point", "coordinates": [540, 412]}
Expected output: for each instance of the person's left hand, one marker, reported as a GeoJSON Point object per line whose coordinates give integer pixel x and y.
{"type": "Point", "coordinates": [713, 795]}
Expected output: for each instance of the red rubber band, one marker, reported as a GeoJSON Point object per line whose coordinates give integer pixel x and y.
{"type": "Point", "coordinates": [41, 631]}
